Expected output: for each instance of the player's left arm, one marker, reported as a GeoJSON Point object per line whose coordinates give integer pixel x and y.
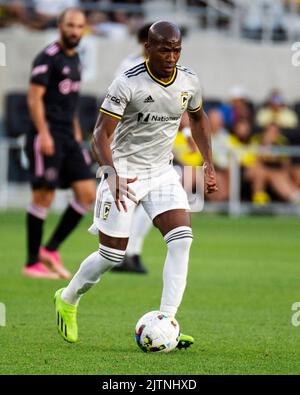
{"type": "Point", "coordinates": [201, 134]}
{"type": "Point", "coordinates": [186, 131]}
{"type": "Point", "coordinates": [77, 129]}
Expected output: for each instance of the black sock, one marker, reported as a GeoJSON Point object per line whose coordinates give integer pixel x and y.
{"type": "Point", "coordinates": [34, 222]}
{"type": "Point", "coordinates": [66, 225]}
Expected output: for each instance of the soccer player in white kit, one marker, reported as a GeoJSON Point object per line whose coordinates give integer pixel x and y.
{"type": "Point", "coordinates": [142, 109]}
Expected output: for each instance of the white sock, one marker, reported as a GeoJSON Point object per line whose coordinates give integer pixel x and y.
{"type": "Point", "coordinates": [140, 226]}
{"type": "Point", "coordinates": [179, 241]}
{"type": "Point", "coordinates": [90, 272]}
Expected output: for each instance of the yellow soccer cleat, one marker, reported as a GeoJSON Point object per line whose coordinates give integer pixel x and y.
{"type": "Point", "coordinates": [66, 321]}
{"type": "Point", "coordinates": [185, 341]}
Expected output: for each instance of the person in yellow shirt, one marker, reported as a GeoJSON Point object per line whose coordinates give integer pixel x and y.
{"type": "Point", "coordinates": [271, 171]}
{"type": "Point", "coordinates": [241, 139]}
{"type": "Point", "coordinates": [277, 112]}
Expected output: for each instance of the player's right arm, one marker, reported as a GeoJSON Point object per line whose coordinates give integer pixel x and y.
{"type": "Point", "coordinates": [37, 113]}
{"type": "Point", "coordinates": [102, 136]}
{"type": "Point", "coordinates": [111, 113]}
{"type": "Point", "coordinates": [39, 80]}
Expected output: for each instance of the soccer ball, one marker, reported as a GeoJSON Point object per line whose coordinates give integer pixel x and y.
{"type": "Point", "coordinates": [156, 331]}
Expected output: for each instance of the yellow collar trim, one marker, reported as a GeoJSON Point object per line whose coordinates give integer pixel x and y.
{"type": "Point", "coordinates": [160, 81]}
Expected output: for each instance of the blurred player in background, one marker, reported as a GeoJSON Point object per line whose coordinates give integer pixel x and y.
{"type": "Point", "coordinates": [144, 139]}
{"type": "Point", "coordinates": [53, 146]}
{"type": "Point", "coordinates": [138, 57]}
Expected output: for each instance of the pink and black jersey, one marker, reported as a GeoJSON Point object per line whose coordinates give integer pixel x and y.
{"type": "Point", "coordinates": [61, 75]}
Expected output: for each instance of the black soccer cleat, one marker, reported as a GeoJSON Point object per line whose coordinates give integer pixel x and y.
{"type": "Point", "coordinates": [131, 264]}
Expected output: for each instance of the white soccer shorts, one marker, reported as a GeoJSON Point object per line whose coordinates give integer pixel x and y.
{"type": "Point", "coordinates": [157, 195]}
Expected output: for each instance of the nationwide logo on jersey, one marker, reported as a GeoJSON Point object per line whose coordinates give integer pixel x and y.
{"type": "Point", "coordinates": [149, 99]}
{"type": "Point", "coordinates": [184, 100]}
{"type": "Point", "coordinates": [106, 210]}
{"type": "Point", "coordinates": [146, 118]}
{"type": "Point", "coordinates": [143, 119]}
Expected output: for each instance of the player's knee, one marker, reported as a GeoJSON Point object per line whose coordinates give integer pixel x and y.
{"type": "Point", "coordinates": [85, 200]}
{"type": "Point", "coordinates": [88, 198]}
{"type": "Point", "coordinates": [43, 198]}
{"type": "Point", "coordinates": [116, 243]}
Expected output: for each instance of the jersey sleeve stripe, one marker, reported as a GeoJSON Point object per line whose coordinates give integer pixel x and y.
{"type": "Point", "coordinates": [110, 113]}
{"type": "Point", "coordinates": [135, 68]}
{"type": "Point", "coordinates": [142, 66]}
{"type": "Point", "coordinates": [137, 73]}
{"type": "Point", "coordinates": [196, 109]}
{"type": "Point", "coordinates": [185, 69]}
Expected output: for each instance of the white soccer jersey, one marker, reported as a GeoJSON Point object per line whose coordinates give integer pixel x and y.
{"type": "Point", "coordinates": [150, 111]}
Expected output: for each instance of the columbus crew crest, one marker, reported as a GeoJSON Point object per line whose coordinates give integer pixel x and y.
{"type": "Point", "coordinates": [106, 210]}
{"type": "Point", "coordinates": [183, 100]}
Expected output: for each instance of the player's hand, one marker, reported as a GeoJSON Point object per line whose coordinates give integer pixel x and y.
{"type": "Point", "coordinates": [46, 144]}
{"type": "Point", "coordinates": [210, 180]}
{"type": "Point", "coordinates": [120, 189]}
{"type": "Point", "coordinates": [86, 155]}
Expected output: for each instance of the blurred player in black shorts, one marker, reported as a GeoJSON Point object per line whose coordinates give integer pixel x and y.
{"type": "Point", "coordinates": [53, 146]}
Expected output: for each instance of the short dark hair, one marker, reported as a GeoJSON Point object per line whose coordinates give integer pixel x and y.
{"type": "Point", "coordinates": [142, 34]}
{"type": "Point", "coordinates": [66, 10]}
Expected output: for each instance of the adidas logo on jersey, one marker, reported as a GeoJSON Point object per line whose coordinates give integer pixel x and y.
{"type": "Point", "coordinates": [149, 99]}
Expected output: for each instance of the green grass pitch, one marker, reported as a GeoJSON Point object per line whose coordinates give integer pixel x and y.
{"type": "Point", "coordinates": [244, 277]}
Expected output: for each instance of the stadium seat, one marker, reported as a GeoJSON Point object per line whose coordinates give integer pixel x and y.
{"type": "Point", "coordinates": [16, 116]}
{"type": "Point", "coordinates": [297, 109]}
{"type": "Point", "coordinates": [88, 112]}
{"type": "Point", "coordinates": [293, 135]}
{"type": "Point", "coordinates": [209, 104]}
{"type": "Point", "coordinates": [17, 121]}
